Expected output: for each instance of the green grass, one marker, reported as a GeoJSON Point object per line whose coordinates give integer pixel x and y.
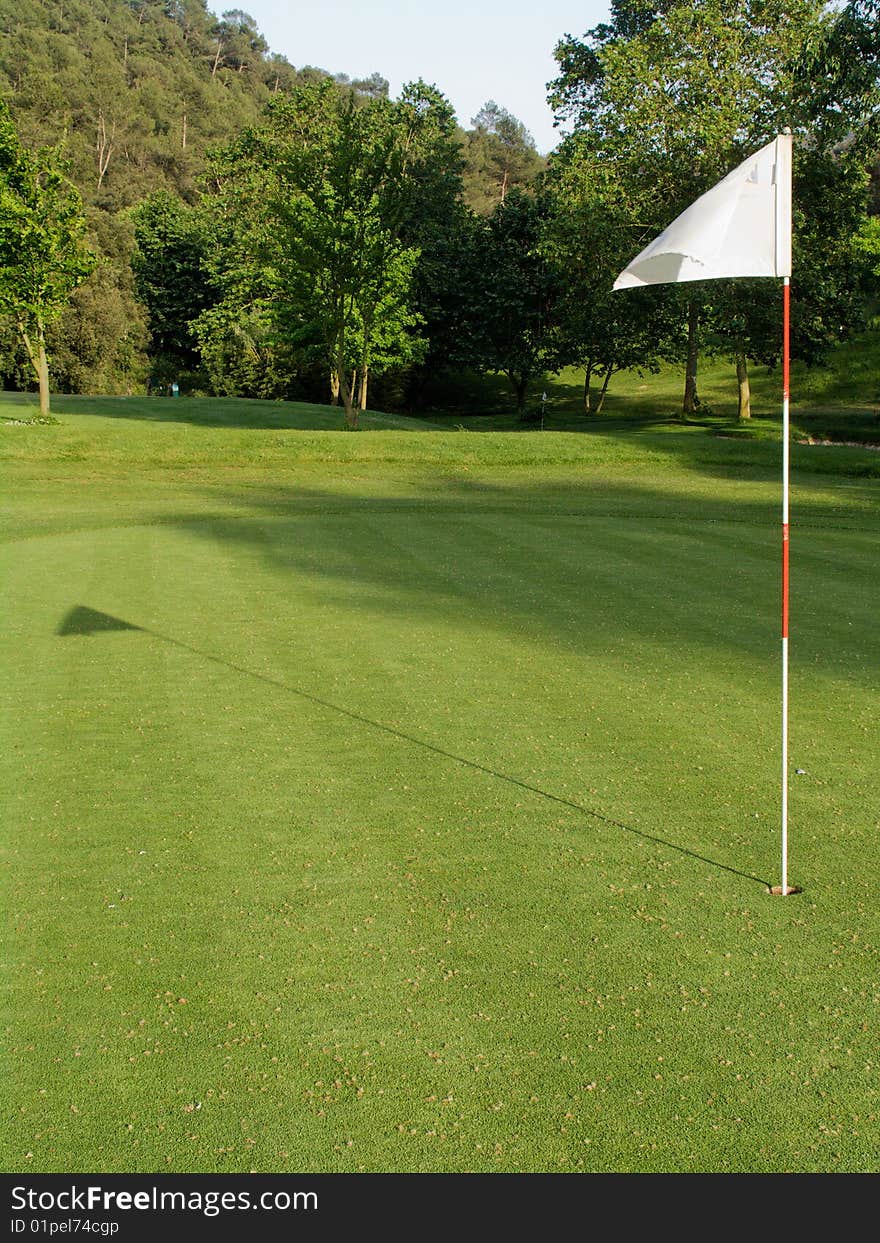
{"type": "Point", "coordinates": [839, 401]}
{"type": "Point", "coordinates": [423, 816]}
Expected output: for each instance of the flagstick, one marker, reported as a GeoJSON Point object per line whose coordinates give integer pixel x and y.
{"type": "Point", "coordinates": [785, 542]}
{"type": "Point", "coordinates": [683, 253]}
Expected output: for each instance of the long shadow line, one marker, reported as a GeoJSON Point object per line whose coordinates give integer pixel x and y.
{"type": "Point", "coordinates": [450, 755]}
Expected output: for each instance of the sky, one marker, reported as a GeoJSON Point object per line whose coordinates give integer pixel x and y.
{"type": "Point", "coordinates": [485, 49]}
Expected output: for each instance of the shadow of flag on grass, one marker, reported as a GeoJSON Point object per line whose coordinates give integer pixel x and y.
{"type": "Point", "coordinates": [81, 620]}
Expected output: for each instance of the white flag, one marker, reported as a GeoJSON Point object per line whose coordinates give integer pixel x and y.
{"type": "Point", "coordinates": [741, 227]}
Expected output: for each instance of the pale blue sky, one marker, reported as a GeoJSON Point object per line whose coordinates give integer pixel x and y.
{"type": "Point", "coordinates": [494, 49]}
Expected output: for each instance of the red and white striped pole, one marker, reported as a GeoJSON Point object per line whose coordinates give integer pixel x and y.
{"type": "Point", "coordinates": [782, 178]}
{"type": "Point", "coordinates": [786, 322]}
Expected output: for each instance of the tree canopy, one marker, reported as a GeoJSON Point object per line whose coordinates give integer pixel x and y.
{"type": "Point", "coordinates": [666, 99]}
{"type": "Point", "coordinates": [270, 230]}
{"type": "Point", "coordinates": [43, 256]}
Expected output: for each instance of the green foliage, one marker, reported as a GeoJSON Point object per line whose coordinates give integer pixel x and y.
{"type": "Point", "coordinates": [665, 101]}
{"type": "Point", "coordinates": [838, 71]}
{"type": "Point", "coordinates": [448, 290]}
{"type": "Point", "coordinates": [355, 248]}
{"type": "Point", "coordinates": [500, 156]}
{"type": "Point", "coordinates": [169, 270]}
{"type": "Point", "coordinates": [138, 90]}
{"type": "Point", "coordinates": [829, 275]}
{"type": "Point", "coordinates": [98, 343]}
{"type": "Point", "coordinates": [515, 316]}
{"type": "Point", "coordinates": [867, 243]}
{"type": "Point", "coordinates": [316, 216]}
{"type": "Point", "coordinates": [587, 240]}
{"type": "Point", "coordinates": [373, 87]}
{"type": "Point", "coordinates": [240, 351]}
{"type": "Point", "coordinates": [43, 255]}
{"type": "Point", "coordinates": [576, 94]}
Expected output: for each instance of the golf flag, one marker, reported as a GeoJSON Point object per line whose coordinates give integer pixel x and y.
{"type": "Point", "coordinates": [741, 227]}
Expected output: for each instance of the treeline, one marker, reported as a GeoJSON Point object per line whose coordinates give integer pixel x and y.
{"type": "Point", "coordinates": [134, 94]}
{"type": "Point", "coordinates": [262, 230]}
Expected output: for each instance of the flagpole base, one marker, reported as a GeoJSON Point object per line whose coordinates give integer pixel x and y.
{"type": "Point", "coordinates": [777, 890]}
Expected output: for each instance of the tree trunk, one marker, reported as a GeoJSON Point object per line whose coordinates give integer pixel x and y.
{"type": "Point", "coordinates": [346, 389]}
{"type": "Point", "coordinates": [104, 147]}
{"type": "Point", "coordinates": [744, 409]}
{"type": "Point", "coordinates": [363, 397]}
{"type": "Point", "coordinates": [521, 385]}
{"type": "Point", "coordinates": [588, 375]}
{"type": "Point", "coordinates": [39, 362]}
{"type": "Point", "coordinates": [334, 387]}
{"type": "Point", "coordinates": [601, 402]}
{"type": "Point", "coordinates": [689, 405]}
{"type": "Point", "coordinates": [44, 375]}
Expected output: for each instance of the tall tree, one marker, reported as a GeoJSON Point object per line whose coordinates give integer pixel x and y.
{"type": "Point", "coordinates": [500, 156]}
{"type": "Point", "coordinates": [515, 327]}
{"type": "Point", "coordinates": [838, 71]}
{"type": "Point", "coordinates": [43, 256]}
{"type": "Point", "coordinates": [829, 280]}
{"type": "Point", "coordinates": [587, 239]}
{"type": "Point", "coordinates": [671, 97]}
{"type": "Point", "coordinates": [325, 253]}
{"type": "Point", "coordinates": [136, 93]}
{"type": "Point", "coordinates": [170, 275]}
{"type": "Point", "coordinates": [437, 224]}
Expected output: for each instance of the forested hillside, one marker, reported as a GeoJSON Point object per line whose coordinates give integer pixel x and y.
{"type": "Point", "coordinates": [136, 91]}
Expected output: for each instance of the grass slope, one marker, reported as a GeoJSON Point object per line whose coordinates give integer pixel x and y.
{"type": "Point", "coordinates": [422, 815]}
{"type": "Point", "coordinates": [839, 401]}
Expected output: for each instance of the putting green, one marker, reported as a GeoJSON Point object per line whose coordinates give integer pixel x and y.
{"type": "Point", "coordinates": [418, 810]}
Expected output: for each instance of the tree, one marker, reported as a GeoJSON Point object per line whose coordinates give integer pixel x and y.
{"type": "Point", "coordinates": [313, 203]}
{"type": "Point", "coordinates": [43, 256]}
{"type": "Point", "coordinates": [587, 240]}
{"type": "Point", "coordinates": [448, 293]}
{"type": "Point", "coordinates": [838, 72]}
{"type": "Point", "coordinates": [868, 243]}
{"type": "Point", "coordinates": [98, 343]}
{"type": "Point", "coordinates": [169, 268]}
{"type": "Point", "coordinates": [437, 224]}
{"type": "Point", "coordinates": [131, 89]}
{"type": "Point", "coordinates": [829, 281]}
{"type": "Point", "coordinates": [668, 98]}
{"type": "Point", "coordinates": [373, 87]}
{"type": "Point", "coordinates": [237, 339]}
{"type": "Point", "coordinates": [500, 155]}
{"type": "Point", "coordinates": [240, 46]}
{"type": "Point", "coordinates": [345, 273]}
{"type": "Point", "coordinates": [515, 328]}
